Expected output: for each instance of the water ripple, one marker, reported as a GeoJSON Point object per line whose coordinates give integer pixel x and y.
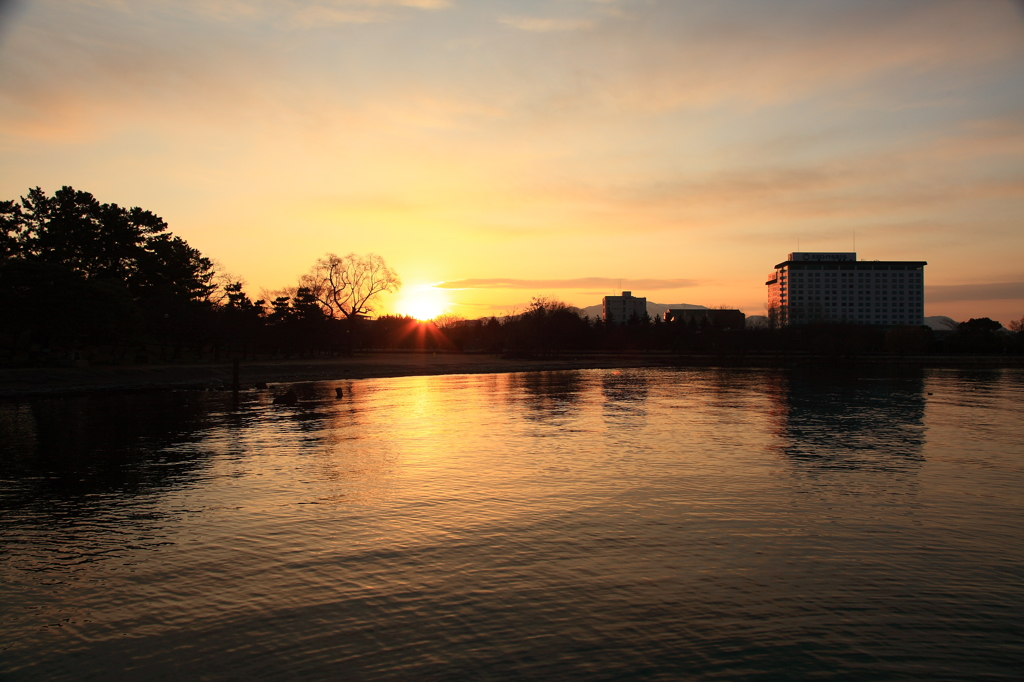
{"type": "Point", "coordinates": [599, 525]}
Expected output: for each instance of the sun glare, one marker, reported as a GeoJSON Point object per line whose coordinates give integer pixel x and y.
{"type": "Point", "coordinates": [423, 303]}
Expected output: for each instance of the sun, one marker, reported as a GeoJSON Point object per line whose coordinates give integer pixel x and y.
{"type": "Point", "coordinates": [423, 310]}
{"type": "Point", "coordinates": [422, 302]}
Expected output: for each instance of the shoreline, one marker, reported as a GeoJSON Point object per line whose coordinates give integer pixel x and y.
{"type": "Point", "coordinates": [20, 383]}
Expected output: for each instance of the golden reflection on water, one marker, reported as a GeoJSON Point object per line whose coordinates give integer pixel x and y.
{"type": "Point", "coordinates": [581, 524]}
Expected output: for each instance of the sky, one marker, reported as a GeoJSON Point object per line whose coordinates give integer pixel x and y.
{"type": "Point", "coordinates": [492, 151]}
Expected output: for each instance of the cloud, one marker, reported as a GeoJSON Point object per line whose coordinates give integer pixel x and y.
{"type": "Point", "coordinates": [546, 24]}
{"type": "Point", "coordinates": [319, 15]}
{"type": "Point", "coordinates": [304, 15]}
{"type": "Point", "coordinates": [293, 13]}
{"type": "Point", "coordinates": [682, 56]}
{"type": "Point", "coordinates": [998, 136]}
{"type": "Point", "coordinates": [996, 291]}
{"type": "Point", "coordinates": [967, 167]}
{"type": "Point", "coordinates": [599, 283]}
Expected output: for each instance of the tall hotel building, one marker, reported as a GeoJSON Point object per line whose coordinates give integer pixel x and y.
{"type": "Point", "coordinates": [836, 287]}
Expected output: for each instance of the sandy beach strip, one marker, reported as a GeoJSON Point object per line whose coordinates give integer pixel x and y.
{"type": "Point", "coordinates": [18, 383]}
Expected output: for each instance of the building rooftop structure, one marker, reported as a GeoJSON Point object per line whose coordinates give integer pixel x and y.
{"type": "Point", "coordinates": [836, 287]}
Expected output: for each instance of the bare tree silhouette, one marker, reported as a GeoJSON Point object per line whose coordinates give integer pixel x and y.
{"type": "Point", "coordinates": [349, 286]}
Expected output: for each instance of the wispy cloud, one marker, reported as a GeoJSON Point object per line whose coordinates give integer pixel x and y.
{"type": "Point", "coordinates": [287, 12]}
{"type": "Point", "coordinates": [898, 183]}
{"type": "Point", "coordinates": [320, 15]}
{"type": "Point", "coordinates": [546, 24]}
{"type": "Point", "coordinates": [996, 291]}
{"type": "Point", "coordinates": [580, 283]}
{"type": "Point", "coordinates": [678, 56]}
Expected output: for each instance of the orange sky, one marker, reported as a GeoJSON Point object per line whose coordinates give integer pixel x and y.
{"type": "Point", "coordinates": [493, 151]}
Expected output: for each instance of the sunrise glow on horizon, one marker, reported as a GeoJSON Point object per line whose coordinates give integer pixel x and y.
{"type": "Point", "coordinates": [421, 301]}
{"type": "Point", "coordinates": [495, 151]}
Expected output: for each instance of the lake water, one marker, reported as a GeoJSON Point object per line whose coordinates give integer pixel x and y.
{"type": "Point", "coordinates": [591, 525]}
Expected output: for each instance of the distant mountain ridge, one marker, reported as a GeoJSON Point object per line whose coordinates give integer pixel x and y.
{"type": "Point", "coordinates": [940, 323]}
{"type": "Point", "coordinates": [653, 309]}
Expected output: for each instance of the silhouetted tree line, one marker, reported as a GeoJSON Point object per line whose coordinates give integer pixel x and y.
{"type": "Point", "coordinates": [85, 281]}
{"type": "Point", "coordinates": [75, 272]}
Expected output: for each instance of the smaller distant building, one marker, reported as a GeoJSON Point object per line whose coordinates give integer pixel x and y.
{"type": "Point", "coordinates": [717, 318]}
{"type": "Point", "coordinates": [618, 309]}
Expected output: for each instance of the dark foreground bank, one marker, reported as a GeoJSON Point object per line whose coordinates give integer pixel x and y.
{"type": "Point", "coordinates": [24, 382]}
{"type": "Point", "coordinates": [16, 383]}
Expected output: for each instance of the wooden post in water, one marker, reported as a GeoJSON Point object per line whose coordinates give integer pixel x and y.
{"type": "Point", "coordinates": [234, 376]}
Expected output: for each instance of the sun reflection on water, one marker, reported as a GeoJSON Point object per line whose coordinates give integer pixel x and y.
{"type": "Point", "coordinates": [608, 522]}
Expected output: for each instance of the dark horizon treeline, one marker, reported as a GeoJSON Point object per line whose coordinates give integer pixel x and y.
{"type": "Point", "coordinates": [549, 328]}
{"type": "Point", "coordinates": [89, 282]}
